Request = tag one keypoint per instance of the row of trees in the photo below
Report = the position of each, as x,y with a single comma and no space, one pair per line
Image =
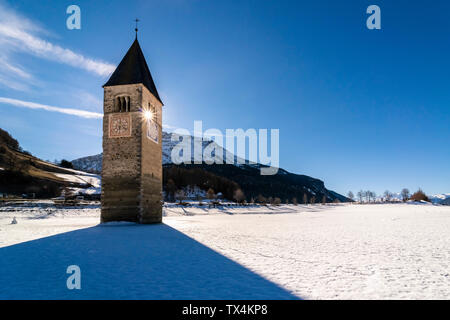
180,195
260,199
7,140
176,181
238,196
305,200
371,196
368,196
178,178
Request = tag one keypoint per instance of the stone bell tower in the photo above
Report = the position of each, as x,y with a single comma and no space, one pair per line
132,151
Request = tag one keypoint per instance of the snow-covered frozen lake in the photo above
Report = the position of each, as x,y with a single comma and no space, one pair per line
386,251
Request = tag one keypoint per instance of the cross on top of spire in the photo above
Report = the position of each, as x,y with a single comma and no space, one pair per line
136,29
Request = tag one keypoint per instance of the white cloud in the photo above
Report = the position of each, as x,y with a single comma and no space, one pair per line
69,111
47,50
19,34
15,69
87,101
7,82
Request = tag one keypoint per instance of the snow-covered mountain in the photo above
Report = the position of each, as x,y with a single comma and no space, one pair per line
89,164
94,163
246,174
443,198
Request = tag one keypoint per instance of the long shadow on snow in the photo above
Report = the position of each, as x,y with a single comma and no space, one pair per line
127,261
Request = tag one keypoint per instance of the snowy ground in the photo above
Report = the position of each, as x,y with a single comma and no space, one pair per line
387,251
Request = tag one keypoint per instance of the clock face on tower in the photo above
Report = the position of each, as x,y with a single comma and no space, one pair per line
119,125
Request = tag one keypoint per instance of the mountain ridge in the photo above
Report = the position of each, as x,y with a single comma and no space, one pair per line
284,184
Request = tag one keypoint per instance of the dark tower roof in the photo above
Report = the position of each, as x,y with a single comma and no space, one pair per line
133,69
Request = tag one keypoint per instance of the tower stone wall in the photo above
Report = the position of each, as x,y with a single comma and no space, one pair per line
151,164
132,162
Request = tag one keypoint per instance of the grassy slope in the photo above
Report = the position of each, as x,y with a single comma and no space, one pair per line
23,173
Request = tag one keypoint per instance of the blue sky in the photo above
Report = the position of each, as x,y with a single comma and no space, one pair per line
357,108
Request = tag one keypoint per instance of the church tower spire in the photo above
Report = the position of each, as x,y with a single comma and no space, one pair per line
133,69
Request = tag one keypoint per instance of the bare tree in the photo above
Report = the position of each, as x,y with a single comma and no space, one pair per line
373,195
210,194
367,195
261,199
276,201
387,196
312,200
180,196
324,199
171,188
294,201
239,196
305,198
405,194
350,195
360,196
370,196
